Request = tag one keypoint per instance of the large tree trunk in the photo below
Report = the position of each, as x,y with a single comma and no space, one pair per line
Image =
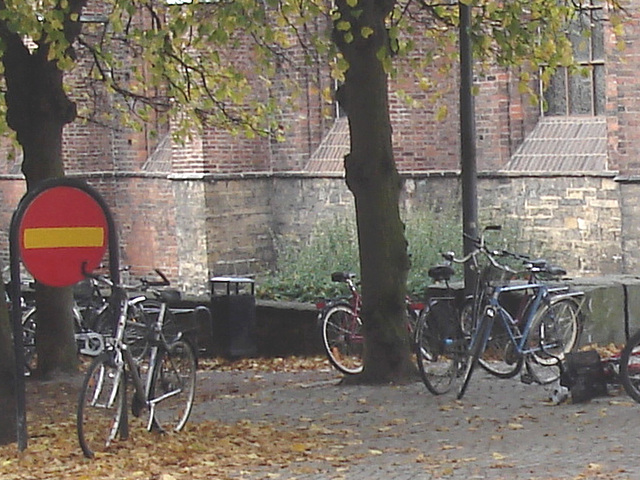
37,110
373,178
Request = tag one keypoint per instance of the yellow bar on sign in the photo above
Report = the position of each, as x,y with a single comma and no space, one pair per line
63,237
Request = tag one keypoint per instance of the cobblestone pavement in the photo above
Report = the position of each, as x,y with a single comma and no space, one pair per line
502,429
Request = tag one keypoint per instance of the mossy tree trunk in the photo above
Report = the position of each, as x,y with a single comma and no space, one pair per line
37,110
373,179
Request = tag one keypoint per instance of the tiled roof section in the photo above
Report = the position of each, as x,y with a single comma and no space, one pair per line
160,160
577,144
329,156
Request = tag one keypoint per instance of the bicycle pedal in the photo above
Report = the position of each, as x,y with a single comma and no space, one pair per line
527,379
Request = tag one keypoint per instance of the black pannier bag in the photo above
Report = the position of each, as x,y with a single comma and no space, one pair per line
583,374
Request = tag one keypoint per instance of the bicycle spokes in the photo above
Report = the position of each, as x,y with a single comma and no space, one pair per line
101,405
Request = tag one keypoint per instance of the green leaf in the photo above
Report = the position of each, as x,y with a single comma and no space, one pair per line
343,25
366,32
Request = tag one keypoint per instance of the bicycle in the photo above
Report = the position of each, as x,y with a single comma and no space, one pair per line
342,329
164,386
445,326
567,323
629,366
91,321
440,344
545,331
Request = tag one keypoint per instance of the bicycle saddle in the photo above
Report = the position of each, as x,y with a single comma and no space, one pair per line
170,296
441,272
342,276
541,265
556,270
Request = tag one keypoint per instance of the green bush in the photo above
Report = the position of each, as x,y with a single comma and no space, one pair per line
429,234
304,269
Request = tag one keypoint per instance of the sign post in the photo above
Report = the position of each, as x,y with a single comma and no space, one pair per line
60,230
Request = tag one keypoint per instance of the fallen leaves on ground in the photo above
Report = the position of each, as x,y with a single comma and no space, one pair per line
274,364
204,450
212,449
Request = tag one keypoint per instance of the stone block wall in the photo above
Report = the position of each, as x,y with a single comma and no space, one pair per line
239,224
195,228
573,220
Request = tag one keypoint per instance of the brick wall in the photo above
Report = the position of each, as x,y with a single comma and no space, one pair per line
239,224
623,91
575,220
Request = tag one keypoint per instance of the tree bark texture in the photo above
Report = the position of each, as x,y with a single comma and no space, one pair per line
373,179
37,110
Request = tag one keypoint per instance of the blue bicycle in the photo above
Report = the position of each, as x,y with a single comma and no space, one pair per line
545,327
534,320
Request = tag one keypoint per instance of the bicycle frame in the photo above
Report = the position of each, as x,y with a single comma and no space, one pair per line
355,302
125,361
517,335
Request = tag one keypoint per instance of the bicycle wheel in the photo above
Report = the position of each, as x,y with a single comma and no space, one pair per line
438,357
630,366
467,316
478,343
500,357
554,330
29,325
136,331
29,340
101,405
343,339
173,387
170,326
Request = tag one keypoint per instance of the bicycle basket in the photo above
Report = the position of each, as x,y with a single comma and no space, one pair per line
494,276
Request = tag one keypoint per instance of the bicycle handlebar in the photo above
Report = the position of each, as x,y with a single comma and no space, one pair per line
162,283
481,247
95,276
531,266
144,283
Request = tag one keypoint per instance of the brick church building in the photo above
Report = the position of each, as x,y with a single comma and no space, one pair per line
570,175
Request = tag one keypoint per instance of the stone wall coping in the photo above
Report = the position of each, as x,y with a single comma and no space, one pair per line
414,174
628,179
604,281
586,283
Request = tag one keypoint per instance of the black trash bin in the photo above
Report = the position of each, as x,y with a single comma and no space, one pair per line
233,310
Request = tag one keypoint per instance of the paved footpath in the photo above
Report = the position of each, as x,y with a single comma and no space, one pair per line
502,429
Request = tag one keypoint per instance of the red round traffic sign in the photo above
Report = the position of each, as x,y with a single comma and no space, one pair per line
62,229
